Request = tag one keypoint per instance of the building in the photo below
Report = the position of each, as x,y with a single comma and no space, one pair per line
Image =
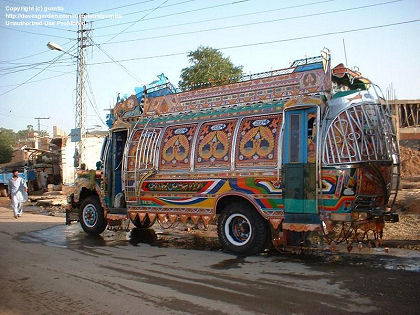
92,145
408,118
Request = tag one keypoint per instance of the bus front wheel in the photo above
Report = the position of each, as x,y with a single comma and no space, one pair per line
91,216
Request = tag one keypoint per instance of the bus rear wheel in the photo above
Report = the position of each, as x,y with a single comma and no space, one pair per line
91,216
241,229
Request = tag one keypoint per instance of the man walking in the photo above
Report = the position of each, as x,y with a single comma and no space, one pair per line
17,193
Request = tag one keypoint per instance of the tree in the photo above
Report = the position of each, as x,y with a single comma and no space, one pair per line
24,134
7,139
208,66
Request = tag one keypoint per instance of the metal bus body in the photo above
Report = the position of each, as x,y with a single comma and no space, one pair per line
279,154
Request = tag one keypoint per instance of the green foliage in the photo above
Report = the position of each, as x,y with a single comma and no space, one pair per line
43,133
7,139
23,134
10,139
208,66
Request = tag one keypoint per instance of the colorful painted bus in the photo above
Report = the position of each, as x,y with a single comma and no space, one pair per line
276,155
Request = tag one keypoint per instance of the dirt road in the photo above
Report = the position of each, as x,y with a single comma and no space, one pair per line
49,268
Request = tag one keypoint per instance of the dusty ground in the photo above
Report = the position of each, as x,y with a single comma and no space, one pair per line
47,267
410,161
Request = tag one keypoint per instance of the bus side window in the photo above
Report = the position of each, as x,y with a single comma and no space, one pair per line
311,139
311,128
104,144
294,144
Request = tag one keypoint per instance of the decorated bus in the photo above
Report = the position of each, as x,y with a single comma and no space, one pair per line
279,156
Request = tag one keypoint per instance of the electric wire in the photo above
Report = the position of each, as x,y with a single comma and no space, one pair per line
133,23
145,10
18,66
35,54
222,18
176,13
23,66
38,73
32,68
122,6
253,23
268,42
94,104
116,62
39,80
25,57
26,67
33,33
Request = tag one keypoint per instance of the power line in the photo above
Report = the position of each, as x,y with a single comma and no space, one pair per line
34,81
267,42
117,62
57,28
56,65
177,13
34,33
122,6
17,65
151,9
223,18
27,65
94,104
35,54
20,66
33,68
156,8
253,23
38,73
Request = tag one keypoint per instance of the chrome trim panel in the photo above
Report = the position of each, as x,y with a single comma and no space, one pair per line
193,144
358,133
235,137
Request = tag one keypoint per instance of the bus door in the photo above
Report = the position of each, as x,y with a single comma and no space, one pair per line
299,166
113,166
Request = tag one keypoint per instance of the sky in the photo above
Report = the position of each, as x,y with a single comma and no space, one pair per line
380,37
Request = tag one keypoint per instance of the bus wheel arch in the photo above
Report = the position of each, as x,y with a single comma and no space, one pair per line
241,227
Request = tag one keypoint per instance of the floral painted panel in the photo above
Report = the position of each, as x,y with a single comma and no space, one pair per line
257,143
176,147
214,144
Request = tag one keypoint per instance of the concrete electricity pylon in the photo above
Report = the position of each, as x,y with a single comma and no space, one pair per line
39,121
84,41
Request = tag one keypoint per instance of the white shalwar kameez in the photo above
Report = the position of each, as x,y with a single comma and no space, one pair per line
17,194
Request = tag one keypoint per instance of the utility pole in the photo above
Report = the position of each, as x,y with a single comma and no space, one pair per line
39,121
83,40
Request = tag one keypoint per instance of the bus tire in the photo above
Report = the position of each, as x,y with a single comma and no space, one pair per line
241,229
91,216
146,223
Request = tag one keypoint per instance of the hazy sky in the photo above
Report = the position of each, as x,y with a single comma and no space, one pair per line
385,55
